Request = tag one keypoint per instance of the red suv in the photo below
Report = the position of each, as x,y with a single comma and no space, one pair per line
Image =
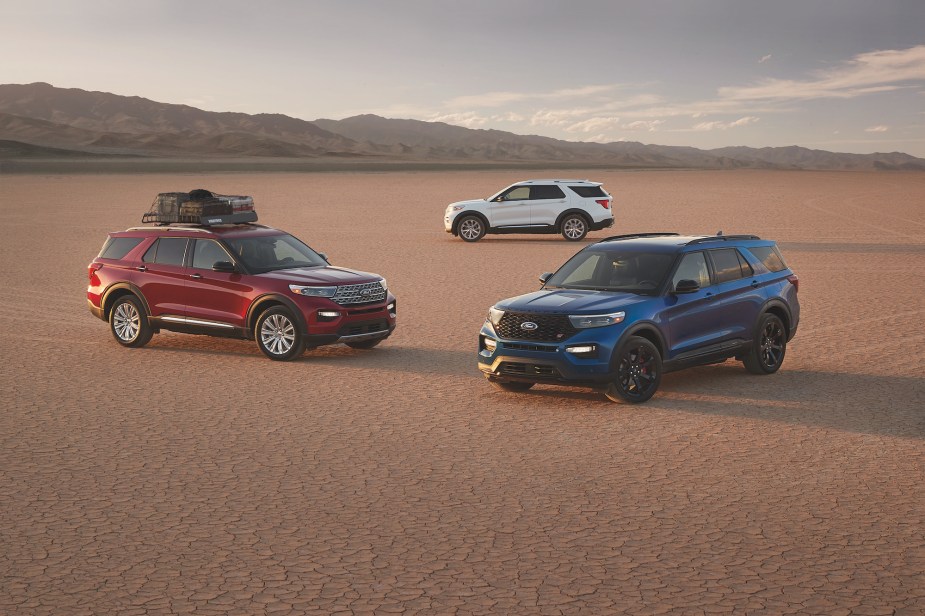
241,281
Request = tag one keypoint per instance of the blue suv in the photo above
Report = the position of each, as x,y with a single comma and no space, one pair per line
629,308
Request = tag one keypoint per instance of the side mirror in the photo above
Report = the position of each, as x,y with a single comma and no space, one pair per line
324,256
226,267
687,286
545,276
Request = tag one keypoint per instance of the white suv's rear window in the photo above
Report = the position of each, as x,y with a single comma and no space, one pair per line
589,192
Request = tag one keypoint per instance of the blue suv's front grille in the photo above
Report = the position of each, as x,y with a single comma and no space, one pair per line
544,328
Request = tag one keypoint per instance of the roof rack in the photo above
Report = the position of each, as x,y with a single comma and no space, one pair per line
715,238
192,227
629,236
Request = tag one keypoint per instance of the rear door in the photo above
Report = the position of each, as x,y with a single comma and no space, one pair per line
739,296
546,203
692,320
161,276
216,299
511,208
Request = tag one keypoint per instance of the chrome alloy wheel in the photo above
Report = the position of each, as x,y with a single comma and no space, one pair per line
277,334
126,321
470,229
574,228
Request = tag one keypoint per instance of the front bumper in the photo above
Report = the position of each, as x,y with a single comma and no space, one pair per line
547,362
356,323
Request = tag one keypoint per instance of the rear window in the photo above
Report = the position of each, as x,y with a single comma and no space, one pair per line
769,256
118,247
589,192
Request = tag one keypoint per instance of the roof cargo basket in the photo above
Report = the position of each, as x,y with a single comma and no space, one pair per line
201,207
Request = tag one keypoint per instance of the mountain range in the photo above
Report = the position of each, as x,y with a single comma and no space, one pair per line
39,120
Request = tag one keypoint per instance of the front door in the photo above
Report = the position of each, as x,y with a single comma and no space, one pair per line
692,319
215,299
511,208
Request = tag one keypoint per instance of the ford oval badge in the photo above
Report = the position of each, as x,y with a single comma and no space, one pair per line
528,326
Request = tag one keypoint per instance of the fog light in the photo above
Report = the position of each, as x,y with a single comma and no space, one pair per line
391,309
490,345
328,315
583,349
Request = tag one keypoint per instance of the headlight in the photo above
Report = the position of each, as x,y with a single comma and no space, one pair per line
385,285
494,315
584,321
456,208
313,291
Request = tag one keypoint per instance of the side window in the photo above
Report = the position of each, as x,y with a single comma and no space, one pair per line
769,256
518,193
747,271
118,247
167,251
207,252
546,192
726,264
692,267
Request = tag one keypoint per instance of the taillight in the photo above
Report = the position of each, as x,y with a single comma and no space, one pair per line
604,203
795,281
93,268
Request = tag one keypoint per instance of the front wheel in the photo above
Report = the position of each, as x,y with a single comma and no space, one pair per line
471,229
277,334
128,322
574,227
769,347
638,372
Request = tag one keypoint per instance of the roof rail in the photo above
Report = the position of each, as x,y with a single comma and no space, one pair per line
632,235
193,227
715,238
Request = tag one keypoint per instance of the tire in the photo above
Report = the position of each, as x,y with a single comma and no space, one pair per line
129,323
769,346
637,372
471,228
278,335
574,227
511,385
364,344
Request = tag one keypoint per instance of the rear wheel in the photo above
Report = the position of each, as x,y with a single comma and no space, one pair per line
638,372
128,322
471,228
769,347
277,334
574,227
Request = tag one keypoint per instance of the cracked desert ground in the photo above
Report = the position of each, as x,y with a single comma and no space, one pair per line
194,476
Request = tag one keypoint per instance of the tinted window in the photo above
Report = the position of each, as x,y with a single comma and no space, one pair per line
692,267
606,270
726,265
747,270
547,192
207,252
589,191
769,256
118,247
166,251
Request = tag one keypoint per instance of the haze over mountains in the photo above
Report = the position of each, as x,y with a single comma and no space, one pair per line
41,121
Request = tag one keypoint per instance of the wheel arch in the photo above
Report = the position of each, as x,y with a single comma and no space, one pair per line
644,329
264,303
121,289
475,213
569,212
780,310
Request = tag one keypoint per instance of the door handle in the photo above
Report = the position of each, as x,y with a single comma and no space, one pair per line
142,268
754,284
196,276
708,296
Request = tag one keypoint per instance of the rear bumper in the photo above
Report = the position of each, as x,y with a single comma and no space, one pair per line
95,310
604,224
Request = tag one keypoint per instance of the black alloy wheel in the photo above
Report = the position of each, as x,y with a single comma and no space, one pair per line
769,348
638,372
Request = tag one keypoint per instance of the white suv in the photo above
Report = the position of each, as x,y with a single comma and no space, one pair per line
569,207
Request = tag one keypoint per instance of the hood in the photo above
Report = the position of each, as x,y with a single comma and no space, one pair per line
572,301
322,276
469,202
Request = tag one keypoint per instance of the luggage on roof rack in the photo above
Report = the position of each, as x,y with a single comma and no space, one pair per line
201,207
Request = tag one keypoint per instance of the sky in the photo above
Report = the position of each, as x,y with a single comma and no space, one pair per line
840,75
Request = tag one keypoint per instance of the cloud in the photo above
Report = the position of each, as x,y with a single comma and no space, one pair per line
764,59
498,99
718,125
880,128
866,73
610,123
508,117
469,119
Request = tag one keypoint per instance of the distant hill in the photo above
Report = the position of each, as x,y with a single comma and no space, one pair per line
61,122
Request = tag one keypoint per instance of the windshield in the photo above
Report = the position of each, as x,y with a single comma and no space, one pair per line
612,270
274,252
